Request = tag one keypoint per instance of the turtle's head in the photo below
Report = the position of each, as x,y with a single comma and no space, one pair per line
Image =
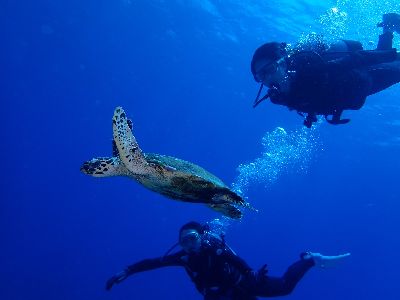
190,237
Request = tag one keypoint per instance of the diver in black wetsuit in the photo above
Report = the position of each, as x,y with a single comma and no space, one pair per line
326,80
219,273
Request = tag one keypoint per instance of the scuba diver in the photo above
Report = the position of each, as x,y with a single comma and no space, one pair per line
219,273
317,79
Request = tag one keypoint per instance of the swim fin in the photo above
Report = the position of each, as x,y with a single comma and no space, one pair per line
390,22
336,120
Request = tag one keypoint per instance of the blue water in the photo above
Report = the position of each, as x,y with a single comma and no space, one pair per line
181,70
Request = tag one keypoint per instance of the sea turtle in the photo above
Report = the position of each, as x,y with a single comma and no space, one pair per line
169,176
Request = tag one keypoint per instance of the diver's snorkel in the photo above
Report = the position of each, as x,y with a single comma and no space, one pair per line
271,92
257,100
273,89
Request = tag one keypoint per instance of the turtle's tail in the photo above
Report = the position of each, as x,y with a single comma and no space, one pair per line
104,167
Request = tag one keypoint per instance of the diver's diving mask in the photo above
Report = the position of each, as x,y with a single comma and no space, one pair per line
190,240
268,69
265,74
265,70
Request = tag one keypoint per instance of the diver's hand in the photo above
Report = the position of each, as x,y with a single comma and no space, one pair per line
117,278
325,261
262,272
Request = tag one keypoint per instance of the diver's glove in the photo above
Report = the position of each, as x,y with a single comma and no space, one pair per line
117,278
262,272
324,261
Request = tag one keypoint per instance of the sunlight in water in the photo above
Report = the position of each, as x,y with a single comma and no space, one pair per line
357,19
282,152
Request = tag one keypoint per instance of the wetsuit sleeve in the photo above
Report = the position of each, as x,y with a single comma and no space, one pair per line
363,58
269,286
155,263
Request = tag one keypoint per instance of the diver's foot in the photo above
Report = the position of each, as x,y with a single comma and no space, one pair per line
390,22
323,261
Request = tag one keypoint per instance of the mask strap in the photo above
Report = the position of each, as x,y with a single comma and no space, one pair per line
258,101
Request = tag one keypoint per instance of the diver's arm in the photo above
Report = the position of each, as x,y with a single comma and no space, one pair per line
146,265
363,58
155,263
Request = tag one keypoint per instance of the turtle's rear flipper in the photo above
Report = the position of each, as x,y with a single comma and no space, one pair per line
227,209
104,167
129,151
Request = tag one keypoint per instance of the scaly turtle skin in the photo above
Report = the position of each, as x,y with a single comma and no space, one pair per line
172,177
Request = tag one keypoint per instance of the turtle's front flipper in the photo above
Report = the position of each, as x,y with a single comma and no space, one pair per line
104,167
115,151
129,151
227,209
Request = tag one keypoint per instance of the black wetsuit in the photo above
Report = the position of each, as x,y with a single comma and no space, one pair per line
327,82
219,273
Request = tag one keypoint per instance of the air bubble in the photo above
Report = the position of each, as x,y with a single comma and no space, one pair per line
282,152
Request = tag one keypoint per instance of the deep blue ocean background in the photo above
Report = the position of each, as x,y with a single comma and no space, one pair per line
181,70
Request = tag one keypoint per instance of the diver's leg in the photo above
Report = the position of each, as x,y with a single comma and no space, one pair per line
383,76
385,41
390,23
268,286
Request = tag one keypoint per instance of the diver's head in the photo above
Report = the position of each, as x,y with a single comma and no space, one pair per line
268,63
190,236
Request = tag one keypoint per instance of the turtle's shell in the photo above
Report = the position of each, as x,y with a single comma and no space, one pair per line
182,180
184,167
